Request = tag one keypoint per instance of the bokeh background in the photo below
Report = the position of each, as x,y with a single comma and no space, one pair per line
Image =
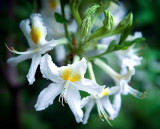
17,98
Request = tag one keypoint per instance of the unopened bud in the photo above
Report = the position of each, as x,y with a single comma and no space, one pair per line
126,22
108,22
85,27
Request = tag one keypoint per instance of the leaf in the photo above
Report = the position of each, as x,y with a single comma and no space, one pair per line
59,18
126,32
111,46
137,40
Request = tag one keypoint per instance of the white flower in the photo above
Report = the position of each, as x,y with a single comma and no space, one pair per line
122,81
129,58
103,104
68,80
35,35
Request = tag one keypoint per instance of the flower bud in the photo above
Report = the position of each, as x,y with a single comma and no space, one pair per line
85,27
126,22
90,11
108,22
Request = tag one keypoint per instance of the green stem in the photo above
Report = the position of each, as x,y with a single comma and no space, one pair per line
62,41
76,58
90,70
107,69
65,24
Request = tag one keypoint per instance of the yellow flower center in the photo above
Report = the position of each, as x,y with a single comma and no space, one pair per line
52,4
36,34
105,92
68,74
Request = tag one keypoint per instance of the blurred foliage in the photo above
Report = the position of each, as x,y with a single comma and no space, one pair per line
134,113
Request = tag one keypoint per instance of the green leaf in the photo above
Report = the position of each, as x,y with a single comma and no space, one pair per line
59,18
126,32
137,40
111,46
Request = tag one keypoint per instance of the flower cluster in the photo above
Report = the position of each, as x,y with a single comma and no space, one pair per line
87,38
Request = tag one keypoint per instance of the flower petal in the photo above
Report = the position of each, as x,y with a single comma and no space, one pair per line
89,86
80,66
47,96
25,27
15,60
48,46
114,90
116,104
88,108
74,99
36,59
48,69
84,101
37,23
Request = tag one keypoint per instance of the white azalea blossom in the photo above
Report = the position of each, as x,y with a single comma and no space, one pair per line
103,104
129,58
122,81
68,80
35,35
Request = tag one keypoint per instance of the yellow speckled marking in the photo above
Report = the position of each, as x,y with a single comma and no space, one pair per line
36,34
68,74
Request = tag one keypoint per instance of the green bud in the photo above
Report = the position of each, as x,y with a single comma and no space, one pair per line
126,22
90,11
108,22
85,27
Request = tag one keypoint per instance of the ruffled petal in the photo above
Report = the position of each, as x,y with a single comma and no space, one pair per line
37,24
25,27
76,70
88,86
15,60
36,59
47,96
74,100
48,46
88,110
49,70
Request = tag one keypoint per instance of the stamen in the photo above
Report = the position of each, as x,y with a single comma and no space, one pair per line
136,93
102,114
62,101
23,53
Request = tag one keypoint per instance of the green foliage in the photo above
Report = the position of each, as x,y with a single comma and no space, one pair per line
59,18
